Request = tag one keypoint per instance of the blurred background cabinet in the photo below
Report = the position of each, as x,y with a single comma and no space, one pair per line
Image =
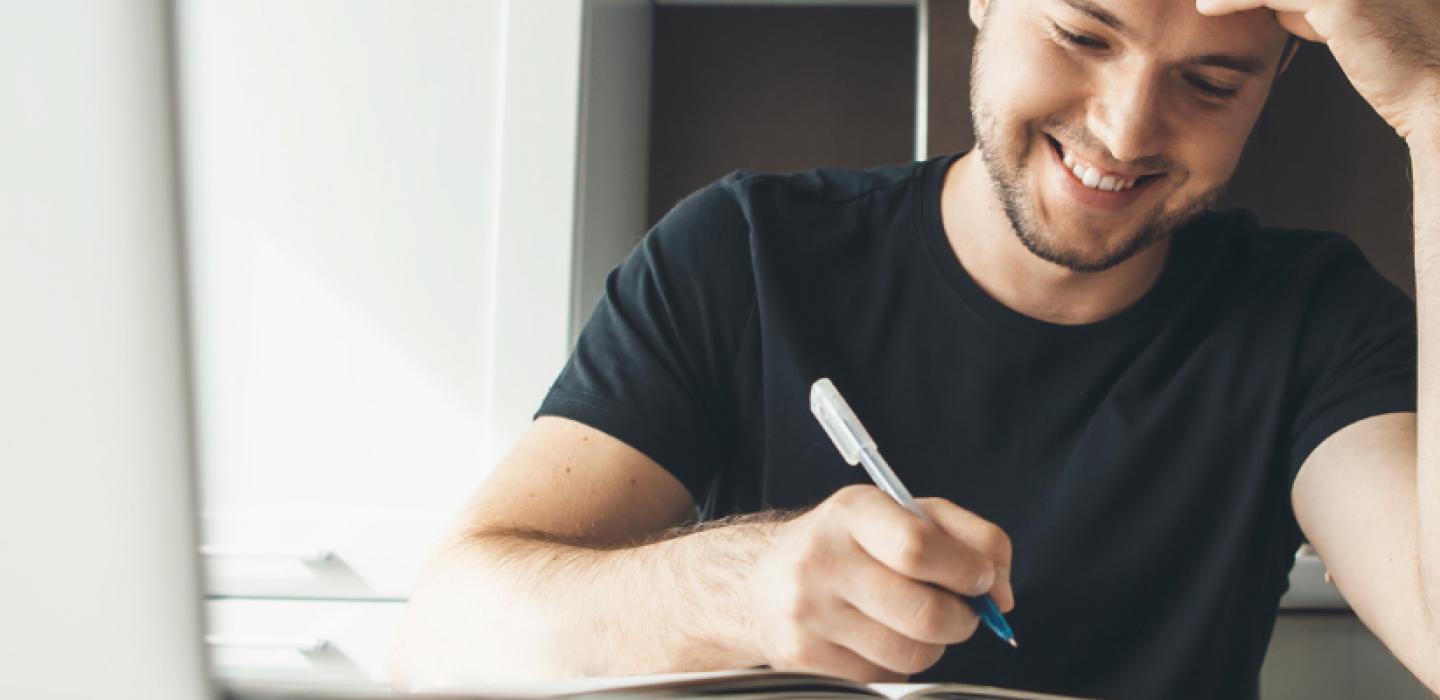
384,201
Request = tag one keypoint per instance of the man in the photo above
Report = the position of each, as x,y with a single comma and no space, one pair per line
1126,410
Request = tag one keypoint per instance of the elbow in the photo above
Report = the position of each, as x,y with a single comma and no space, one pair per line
465,627
440,652
417,659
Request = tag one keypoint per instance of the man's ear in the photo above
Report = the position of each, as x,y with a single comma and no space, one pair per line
977,12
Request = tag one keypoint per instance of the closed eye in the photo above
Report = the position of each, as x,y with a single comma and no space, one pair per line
1077,40
1211,90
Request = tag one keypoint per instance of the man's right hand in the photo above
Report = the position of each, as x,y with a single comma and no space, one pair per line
860,587
553,572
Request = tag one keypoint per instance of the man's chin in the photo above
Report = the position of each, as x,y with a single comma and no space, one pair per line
1088,259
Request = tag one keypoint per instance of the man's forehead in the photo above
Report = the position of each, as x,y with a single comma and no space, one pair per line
1178,22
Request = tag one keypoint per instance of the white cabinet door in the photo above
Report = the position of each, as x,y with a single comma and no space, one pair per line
382,200
302,642
322,555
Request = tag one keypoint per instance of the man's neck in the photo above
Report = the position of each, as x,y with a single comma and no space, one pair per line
983,239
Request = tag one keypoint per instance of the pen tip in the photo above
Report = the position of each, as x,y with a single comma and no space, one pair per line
1014,643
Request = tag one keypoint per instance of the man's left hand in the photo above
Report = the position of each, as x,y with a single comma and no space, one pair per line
1390,50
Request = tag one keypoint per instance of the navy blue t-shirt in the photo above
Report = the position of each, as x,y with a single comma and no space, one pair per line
1141,465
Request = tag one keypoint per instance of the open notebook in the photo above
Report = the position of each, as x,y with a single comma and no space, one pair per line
738,685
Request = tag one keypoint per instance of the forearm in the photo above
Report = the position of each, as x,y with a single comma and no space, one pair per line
1425,165
512,606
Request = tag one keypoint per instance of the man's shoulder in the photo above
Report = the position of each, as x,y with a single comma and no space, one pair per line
1247,234
1296,269
747,199
811,206
1270,251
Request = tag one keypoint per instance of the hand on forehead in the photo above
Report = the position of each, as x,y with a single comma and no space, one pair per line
1177,24
1389,49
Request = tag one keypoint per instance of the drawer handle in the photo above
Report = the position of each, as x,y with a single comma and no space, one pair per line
302,644
309,556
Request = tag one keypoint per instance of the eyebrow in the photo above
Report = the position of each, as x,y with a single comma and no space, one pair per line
1249,65
1098,14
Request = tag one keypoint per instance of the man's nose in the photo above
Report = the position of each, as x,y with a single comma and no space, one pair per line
1128,117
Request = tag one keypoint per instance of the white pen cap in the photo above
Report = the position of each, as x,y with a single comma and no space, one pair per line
839,422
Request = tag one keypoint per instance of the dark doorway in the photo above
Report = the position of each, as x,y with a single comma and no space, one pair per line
777,89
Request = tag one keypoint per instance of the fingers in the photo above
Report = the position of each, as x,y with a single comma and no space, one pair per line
917,611
984,537
1225,7
1290,13
862,588
821,630
822,657
876,643
959,552
1295,23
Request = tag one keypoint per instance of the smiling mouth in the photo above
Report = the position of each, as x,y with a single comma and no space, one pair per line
1094,178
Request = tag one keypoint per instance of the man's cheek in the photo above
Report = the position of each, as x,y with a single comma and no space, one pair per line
1037,89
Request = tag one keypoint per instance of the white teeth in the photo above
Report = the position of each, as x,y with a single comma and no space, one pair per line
1092,178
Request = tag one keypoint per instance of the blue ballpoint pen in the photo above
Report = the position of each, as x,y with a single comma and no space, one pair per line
857,447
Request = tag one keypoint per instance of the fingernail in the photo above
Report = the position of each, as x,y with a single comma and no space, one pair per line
987,579
1003,574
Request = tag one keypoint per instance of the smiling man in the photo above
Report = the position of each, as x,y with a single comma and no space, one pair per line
1126,410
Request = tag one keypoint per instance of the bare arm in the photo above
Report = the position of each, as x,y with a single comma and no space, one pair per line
1369,496
1425,165
1356,500
539,558
555,570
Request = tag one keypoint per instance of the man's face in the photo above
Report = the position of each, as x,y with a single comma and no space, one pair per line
1147,101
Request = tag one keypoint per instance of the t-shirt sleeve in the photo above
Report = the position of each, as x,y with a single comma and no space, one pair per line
653,365
1359,352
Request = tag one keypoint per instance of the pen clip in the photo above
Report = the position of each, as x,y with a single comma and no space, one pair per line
839,422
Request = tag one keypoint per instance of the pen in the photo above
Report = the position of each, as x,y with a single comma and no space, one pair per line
857,447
